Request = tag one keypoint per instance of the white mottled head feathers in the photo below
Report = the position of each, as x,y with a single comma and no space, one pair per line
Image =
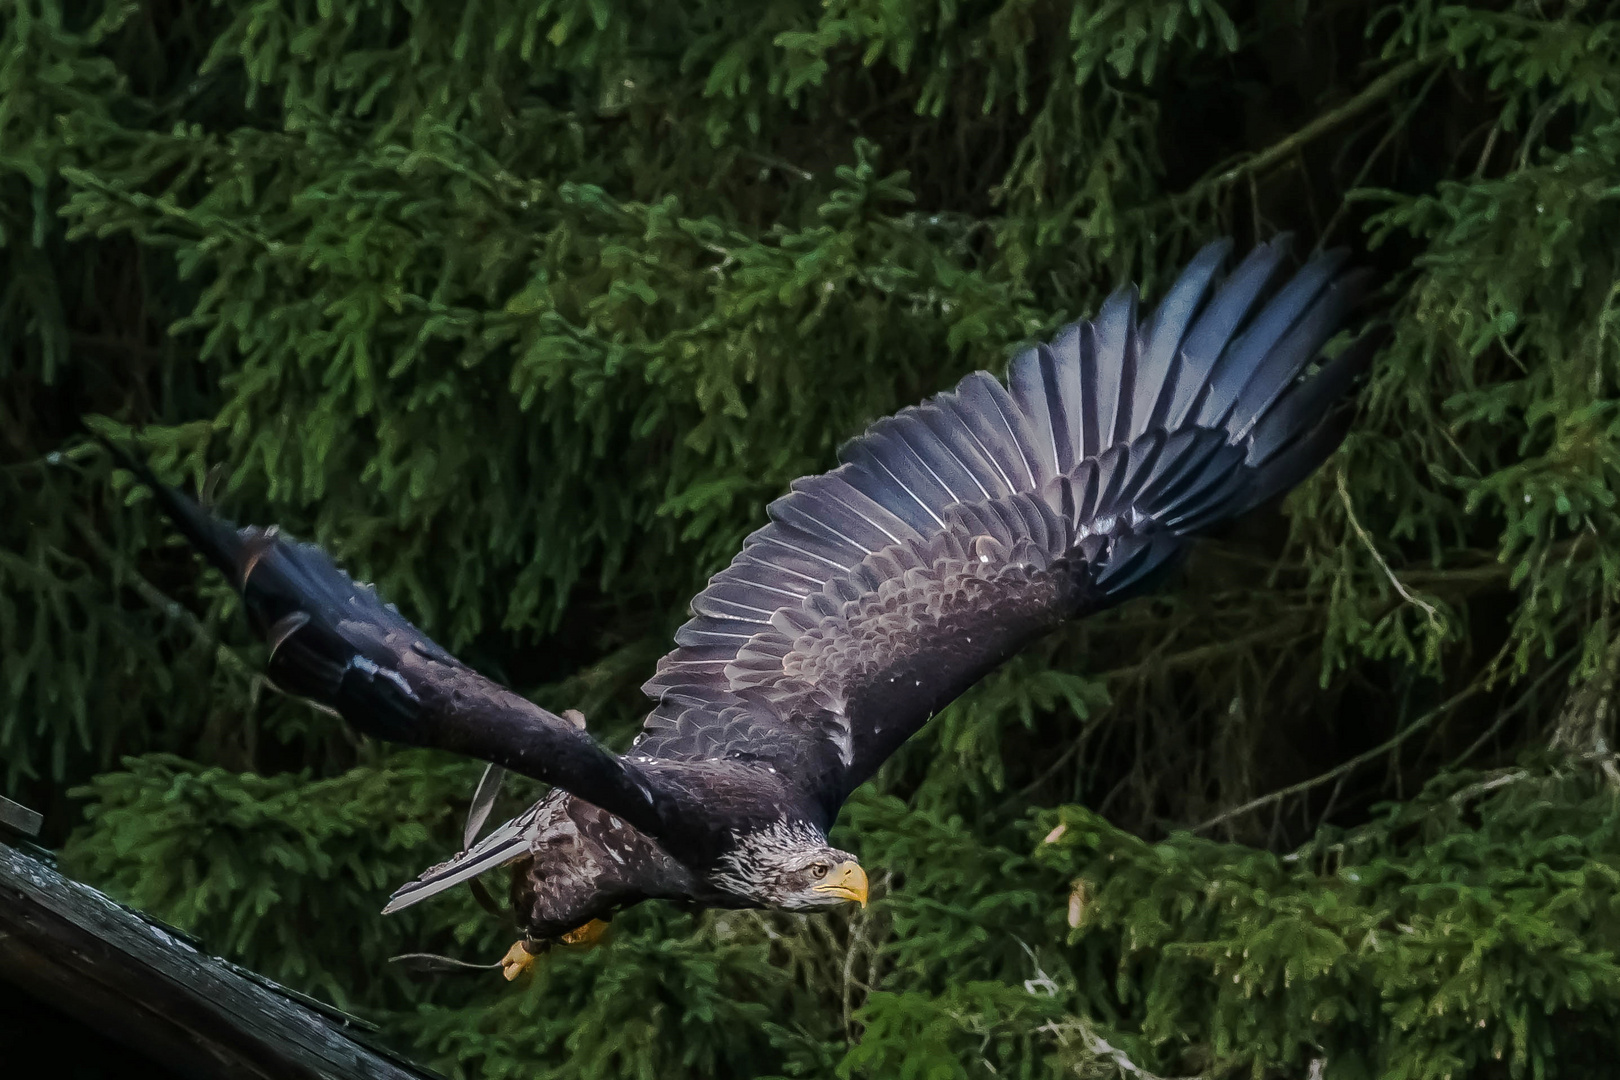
789,865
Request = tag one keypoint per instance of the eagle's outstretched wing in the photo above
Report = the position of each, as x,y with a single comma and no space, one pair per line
335,643
957,531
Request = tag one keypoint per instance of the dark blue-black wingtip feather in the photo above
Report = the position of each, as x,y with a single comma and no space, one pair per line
325,632
218,542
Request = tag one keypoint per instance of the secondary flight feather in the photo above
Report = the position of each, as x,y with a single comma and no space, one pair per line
952,535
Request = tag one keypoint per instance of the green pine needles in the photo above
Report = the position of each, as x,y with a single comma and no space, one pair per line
526,309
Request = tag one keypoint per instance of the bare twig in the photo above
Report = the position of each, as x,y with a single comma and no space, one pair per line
1429,610
1376,752
782,164
1524,700
1200,654
1383,144
1604,758
1285,148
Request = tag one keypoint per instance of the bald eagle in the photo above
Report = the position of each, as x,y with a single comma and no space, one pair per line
952,534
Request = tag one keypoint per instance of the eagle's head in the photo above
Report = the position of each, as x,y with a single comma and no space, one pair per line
792,867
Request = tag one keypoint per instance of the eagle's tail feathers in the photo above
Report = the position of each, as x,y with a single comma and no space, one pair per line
483,801
501,846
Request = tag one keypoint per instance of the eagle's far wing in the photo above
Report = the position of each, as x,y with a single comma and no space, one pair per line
957,531
335,643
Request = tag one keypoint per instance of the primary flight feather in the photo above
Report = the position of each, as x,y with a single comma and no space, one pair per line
953,534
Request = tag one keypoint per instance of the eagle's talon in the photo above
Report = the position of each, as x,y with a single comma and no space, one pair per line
588,935
517,960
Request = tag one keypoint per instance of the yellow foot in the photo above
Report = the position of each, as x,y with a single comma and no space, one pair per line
517,960
589,934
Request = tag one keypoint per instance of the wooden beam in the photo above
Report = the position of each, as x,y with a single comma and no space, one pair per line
18,818
146,986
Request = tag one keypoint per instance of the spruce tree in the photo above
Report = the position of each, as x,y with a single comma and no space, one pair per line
526,309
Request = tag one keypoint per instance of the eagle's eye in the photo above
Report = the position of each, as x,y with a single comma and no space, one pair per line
819,869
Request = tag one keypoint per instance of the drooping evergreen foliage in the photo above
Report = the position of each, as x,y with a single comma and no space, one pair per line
527,309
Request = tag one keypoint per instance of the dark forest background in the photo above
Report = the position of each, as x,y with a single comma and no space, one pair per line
526,309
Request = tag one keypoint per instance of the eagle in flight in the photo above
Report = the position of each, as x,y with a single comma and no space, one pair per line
953,534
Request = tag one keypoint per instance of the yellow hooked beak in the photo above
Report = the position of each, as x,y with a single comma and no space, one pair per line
847,881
